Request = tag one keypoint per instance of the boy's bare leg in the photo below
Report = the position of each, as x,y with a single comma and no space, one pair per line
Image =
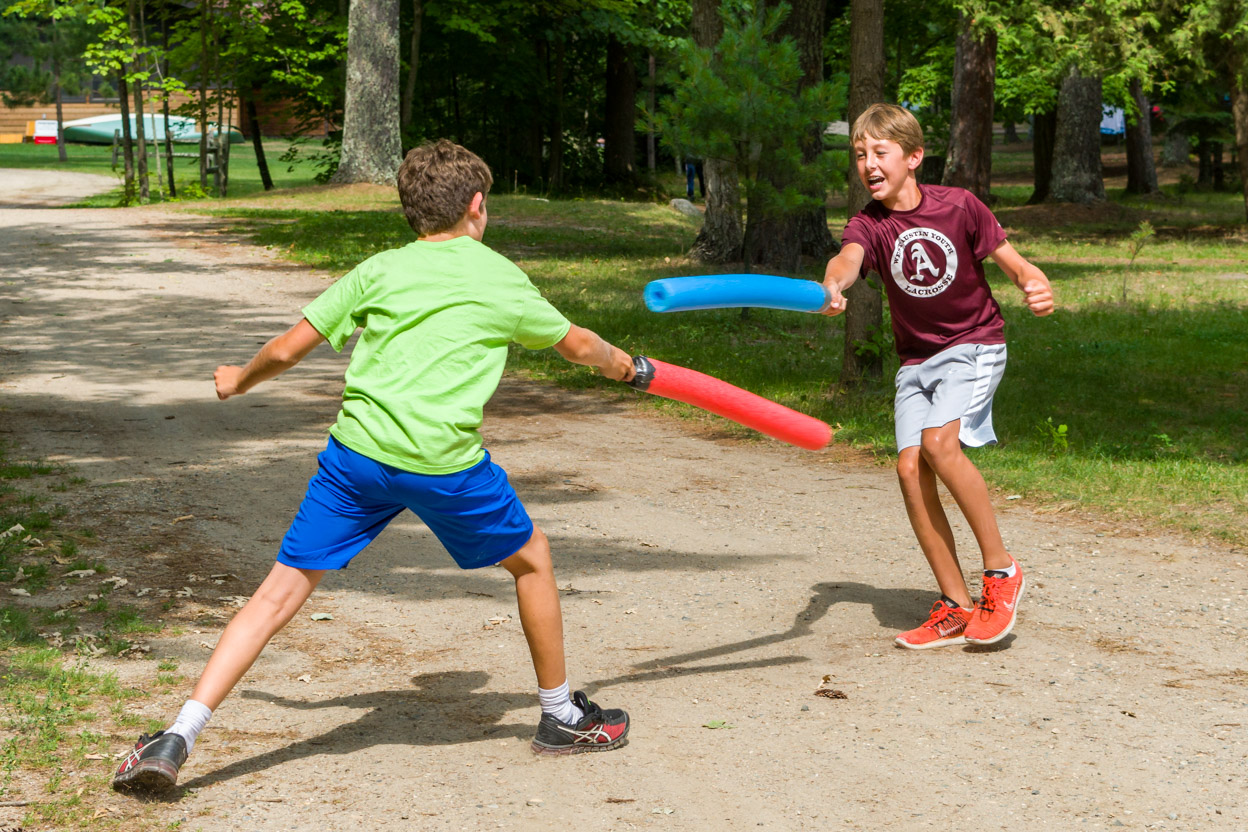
931,526
276,601
538,598
943,452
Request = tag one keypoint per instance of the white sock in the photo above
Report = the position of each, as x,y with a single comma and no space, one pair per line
1009,573
558,703
191,720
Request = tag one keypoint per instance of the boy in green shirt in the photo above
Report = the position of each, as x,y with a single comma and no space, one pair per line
437,316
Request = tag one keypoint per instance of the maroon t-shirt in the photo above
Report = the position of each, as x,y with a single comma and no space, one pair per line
931,259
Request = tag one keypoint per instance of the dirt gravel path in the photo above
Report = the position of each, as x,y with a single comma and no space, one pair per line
708,581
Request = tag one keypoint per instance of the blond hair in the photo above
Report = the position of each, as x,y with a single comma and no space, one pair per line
888,122
437,182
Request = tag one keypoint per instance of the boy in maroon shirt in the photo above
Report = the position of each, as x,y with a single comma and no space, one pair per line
928,242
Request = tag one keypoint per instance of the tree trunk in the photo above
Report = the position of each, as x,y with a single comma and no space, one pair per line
371,144
1076,173
173,189
203,94
620,152
554,164
1239,112
1177,150
969,160
257,142
60,119
224,161
140,133
807,229
1141,172
59,95
720,238
1011,133
1044,131
413,65
1204,163
164,37
651,159
864,314
127,138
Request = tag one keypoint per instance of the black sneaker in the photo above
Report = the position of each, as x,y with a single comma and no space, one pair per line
153,764
598,730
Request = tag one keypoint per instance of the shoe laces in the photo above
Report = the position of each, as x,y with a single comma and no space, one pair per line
988,598
940,611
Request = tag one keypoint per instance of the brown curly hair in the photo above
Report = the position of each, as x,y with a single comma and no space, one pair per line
437,182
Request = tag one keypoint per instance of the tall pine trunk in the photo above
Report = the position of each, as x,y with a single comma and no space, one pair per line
204,66
1044,132
969,160
371,144
620,151
140,129
864,312
1076,173
127,136
164,37
721,236
1239,113
651,159
60,109
413,65
1141,172
554,164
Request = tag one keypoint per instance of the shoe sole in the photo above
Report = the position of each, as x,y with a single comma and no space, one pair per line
940,642
150,776
1022,588
543,750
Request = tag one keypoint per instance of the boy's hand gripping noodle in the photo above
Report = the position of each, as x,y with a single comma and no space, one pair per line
721,291
723,399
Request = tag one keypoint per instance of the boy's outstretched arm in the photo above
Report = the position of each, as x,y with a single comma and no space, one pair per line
273,359
583,346
1026,277
842,271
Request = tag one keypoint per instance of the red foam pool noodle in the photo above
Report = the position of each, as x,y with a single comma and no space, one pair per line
741,406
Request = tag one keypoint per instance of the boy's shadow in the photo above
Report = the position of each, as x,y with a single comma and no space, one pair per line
894,609
439,710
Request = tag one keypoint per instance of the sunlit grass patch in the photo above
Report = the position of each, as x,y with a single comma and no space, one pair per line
1144,362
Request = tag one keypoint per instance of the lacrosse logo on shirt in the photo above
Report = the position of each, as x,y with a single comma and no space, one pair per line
924,262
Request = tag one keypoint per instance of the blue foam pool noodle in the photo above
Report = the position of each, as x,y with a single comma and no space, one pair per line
722,291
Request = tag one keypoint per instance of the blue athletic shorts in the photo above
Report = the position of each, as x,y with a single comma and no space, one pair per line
474,513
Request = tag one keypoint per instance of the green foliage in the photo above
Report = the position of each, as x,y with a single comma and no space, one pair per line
1139,237
1054,436
743,102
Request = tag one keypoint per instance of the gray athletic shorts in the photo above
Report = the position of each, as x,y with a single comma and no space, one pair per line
957,383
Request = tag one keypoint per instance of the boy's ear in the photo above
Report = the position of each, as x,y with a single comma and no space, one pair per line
915,159
474,207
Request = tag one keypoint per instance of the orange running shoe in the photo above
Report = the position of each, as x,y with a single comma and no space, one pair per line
997,609
943,627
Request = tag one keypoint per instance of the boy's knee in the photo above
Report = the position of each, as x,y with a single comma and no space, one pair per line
533,556
908,466
939,446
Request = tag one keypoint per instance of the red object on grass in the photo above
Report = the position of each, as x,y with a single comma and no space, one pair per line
723,399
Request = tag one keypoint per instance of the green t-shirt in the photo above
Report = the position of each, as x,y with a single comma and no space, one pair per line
437,319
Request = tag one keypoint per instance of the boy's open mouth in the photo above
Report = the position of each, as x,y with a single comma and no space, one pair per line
875,179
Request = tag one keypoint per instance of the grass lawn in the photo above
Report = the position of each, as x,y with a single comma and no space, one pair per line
59,718
97,159
1152,389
